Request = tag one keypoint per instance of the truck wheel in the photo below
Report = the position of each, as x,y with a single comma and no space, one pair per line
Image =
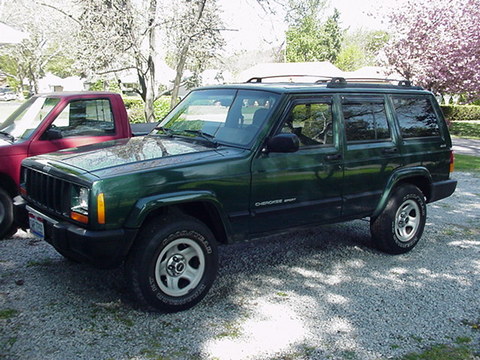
172,265
400,225
7,228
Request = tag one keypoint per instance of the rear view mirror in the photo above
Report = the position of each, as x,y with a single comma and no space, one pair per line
283,143
52,134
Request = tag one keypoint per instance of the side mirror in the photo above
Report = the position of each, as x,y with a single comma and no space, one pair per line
52,134
283,143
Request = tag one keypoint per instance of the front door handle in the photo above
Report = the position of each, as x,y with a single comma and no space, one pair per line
333,157
393,150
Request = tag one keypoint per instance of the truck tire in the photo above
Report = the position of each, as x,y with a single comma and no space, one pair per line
7,227
172,265
400,225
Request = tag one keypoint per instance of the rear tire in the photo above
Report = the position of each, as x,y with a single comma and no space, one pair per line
173,264
400,225
7,227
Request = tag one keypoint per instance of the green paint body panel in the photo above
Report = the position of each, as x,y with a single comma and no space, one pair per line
248,189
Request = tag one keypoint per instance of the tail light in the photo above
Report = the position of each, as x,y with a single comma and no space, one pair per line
452,161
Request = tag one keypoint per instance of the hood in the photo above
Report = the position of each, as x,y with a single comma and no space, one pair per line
4,142
127,155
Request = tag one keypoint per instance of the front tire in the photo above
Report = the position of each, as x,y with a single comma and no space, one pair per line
7,227
400,225
173,264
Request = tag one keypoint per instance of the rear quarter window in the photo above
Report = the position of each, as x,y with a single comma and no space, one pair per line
416,117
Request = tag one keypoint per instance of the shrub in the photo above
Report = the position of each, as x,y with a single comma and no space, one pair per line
135,109
461,112
465,129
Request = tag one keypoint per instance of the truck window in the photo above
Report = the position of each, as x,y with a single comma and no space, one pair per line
416,116
86,118
365,119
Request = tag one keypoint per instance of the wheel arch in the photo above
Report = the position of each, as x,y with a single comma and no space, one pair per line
418,176
201,205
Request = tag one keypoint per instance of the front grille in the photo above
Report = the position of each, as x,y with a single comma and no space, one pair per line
47,191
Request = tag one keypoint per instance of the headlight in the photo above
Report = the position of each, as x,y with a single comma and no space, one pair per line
79,204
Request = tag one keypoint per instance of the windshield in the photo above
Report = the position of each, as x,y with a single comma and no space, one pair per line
226,116
23,121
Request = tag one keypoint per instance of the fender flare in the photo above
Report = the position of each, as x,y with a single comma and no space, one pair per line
396,177
145,206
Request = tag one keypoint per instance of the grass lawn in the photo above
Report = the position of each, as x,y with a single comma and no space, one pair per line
467,163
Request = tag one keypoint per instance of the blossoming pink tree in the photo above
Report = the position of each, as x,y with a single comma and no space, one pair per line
436,44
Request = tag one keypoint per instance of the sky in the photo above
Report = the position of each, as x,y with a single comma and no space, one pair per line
256,29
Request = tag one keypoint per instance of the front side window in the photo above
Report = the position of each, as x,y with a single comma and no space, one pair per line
311,122
365,119
224,115
416,116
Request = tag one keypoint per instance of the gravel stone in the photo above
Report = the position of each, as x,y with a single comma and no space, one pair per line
320,293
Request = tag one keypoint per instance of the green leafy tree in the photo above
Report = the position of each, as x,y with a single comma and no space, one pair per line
307,38
351,57
361,48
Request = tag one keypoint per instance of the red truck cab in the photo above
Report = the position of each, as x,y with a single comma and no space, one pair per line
51,122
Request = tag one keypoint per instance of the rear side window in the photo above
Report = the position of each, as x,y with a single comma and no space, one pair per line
416,116
365,119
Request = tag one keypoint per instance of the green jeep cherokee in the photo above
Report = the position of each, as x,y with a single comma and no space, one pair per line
234,162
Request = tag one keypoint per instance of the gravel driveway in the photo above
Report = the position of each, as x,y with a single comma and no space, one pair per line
322,293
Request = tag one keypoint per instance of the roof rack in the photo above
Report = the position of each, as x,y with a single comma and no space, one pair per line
259,79
340,82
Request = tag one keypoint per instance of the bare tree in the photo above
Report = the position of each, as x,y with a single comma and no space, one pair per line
43,45
194,37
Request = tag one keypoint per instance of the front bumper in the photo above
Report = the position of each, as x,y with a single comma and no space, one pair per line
104,249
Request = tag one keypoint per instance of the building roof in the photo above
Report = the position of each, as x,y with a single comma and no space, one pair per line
320,68
9,35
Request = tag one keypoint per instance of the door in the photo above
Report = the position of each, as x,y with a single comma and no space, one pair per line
371,152
292,189
81,122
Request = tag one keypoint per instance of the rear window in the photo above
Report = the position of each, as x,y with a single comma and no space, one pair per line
365,119
416,116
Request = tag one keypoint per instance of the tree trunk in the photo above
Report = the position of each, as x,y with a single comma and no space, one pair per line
179,74
148,79
183,55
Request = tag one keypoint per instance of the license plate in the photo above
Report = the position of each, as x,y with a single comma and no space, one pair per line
36,226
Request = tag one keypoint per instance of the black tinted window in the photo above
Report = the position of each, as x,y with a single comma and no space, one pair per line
311,122
416,117
365,119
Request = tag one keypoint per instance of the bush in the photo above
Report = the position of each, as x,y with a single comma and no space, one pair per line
461,112
465,129
135,109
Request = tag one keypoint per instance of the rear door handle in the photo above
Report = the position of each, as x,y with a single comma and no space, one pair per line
333,157
393,150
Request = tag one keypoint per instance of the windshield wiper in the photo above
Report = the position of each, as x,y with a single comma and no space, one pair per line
209,137
7,135
167,131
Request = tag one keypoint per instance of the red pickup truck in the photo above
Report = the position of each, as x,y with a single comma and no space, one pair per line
52,122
